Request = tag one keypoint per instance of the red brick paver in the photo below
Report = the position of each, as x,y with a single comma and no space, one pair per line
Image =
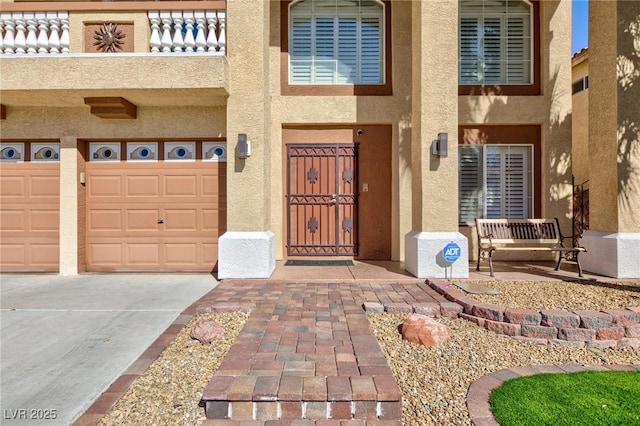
327,364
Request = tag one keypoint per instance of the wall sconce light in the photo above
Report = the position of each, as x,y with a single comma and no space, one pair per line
244,146
439,146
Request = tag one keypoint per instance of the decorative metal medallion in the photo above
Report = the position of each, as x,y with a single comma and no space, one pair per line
347,175
347,224
312,175
313,225
108,38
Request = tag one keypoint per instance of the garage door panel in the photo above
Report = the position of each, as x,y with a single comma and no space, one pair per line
213,220
42,254
143,186
44,220
12,220
213,186
142,220
180,186
104,254
142,254
181,254
105,186
12,255
104,220
46,186
181,220
13,186
210,252
29,216
185,195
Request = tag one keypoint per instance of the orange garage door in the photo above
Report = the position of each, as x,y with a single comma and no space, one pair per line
29,207
155,206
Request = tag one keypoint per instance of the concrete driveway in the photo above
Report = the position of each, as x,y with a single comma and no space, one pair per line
66,339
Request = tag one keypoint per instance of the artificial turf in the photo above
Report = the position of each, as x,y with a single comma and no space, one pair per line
586,398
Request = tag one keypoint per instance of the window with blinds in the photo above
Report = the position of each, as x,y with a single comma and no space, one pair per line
496,44
495,182
336,42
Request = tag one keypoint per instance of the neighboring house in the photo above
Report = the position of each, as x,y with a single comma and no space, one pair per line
580,115
179,136
580,136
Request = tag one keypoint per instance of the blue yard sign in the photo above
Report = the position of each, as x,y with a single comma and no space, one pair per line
451,252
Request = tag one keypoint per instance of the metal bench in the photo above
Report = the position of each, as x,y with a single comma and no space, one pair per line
523,235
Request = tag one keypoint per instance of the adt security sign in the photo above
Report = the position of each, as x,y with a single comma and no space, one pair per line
451,252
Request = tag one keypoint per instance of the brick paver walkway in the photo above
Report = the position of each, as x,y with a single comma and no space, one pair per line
307,352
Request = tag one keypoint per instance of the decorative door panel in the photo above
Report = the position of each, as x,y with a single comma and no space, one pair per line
322,200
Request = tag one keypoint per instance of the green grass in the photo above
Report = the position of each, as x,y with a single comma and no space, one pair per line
586,398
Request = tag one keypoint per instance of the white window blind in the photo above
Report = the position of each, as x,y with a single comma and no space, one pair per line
470,183
495,42
336,42
495,181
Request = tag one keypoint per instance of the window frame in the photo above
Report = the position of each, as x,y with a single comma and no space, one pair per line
383,89
518,89
511,135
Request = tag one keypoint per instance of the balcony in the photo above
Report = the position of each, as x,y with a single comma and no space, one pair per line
55,57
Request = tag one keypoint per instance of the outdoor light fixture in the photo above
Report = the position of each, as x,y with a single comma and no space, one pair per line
244,146
439,146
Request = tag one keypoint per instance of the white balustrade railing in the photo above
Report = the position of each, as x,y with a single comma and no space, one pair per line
171,31
188,31
34,32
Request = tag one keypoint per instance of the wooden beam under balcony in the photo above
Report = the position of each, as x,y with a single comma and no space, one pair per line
111,107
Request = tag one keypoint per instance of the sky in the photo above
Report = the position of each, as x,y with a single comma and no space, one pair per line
580,20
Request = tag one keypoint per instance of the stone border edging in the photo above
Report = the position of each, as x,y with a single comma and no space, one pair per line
599,329
479,391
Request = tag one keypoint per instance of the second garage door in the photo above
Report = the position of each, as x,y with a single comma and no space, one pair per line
157,206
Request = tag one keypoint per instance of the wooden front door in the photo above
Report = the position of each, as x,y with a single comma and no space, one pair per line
322,200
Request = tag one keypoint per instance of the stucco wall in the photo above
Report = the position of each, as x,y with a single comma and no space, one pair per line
184,122
580,125
614,138
551,110
394,110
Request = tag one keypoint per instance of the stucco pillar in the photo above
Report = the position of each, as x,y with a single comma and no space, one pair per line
434,111
248,112
613,239
68,205
556,130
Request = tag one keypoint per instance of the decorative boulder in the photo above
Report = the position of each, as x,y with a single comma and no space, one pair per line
423,330
206,331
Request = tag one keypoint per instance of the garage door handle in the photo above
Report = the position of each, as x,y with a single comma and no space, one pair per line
161,220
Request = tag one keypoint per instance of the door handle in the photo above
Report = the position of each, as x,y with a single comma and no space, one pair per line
333,199
161,220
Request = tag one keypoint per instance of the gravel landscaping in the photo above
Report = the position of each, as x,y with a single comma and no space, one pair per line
551,295
433,381
169,392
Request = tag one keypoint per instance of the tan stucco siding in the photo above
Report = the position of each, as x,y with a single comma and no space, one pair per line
434,111
249,112
121,72
613,111
185,122
394,110
580,126
603,118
